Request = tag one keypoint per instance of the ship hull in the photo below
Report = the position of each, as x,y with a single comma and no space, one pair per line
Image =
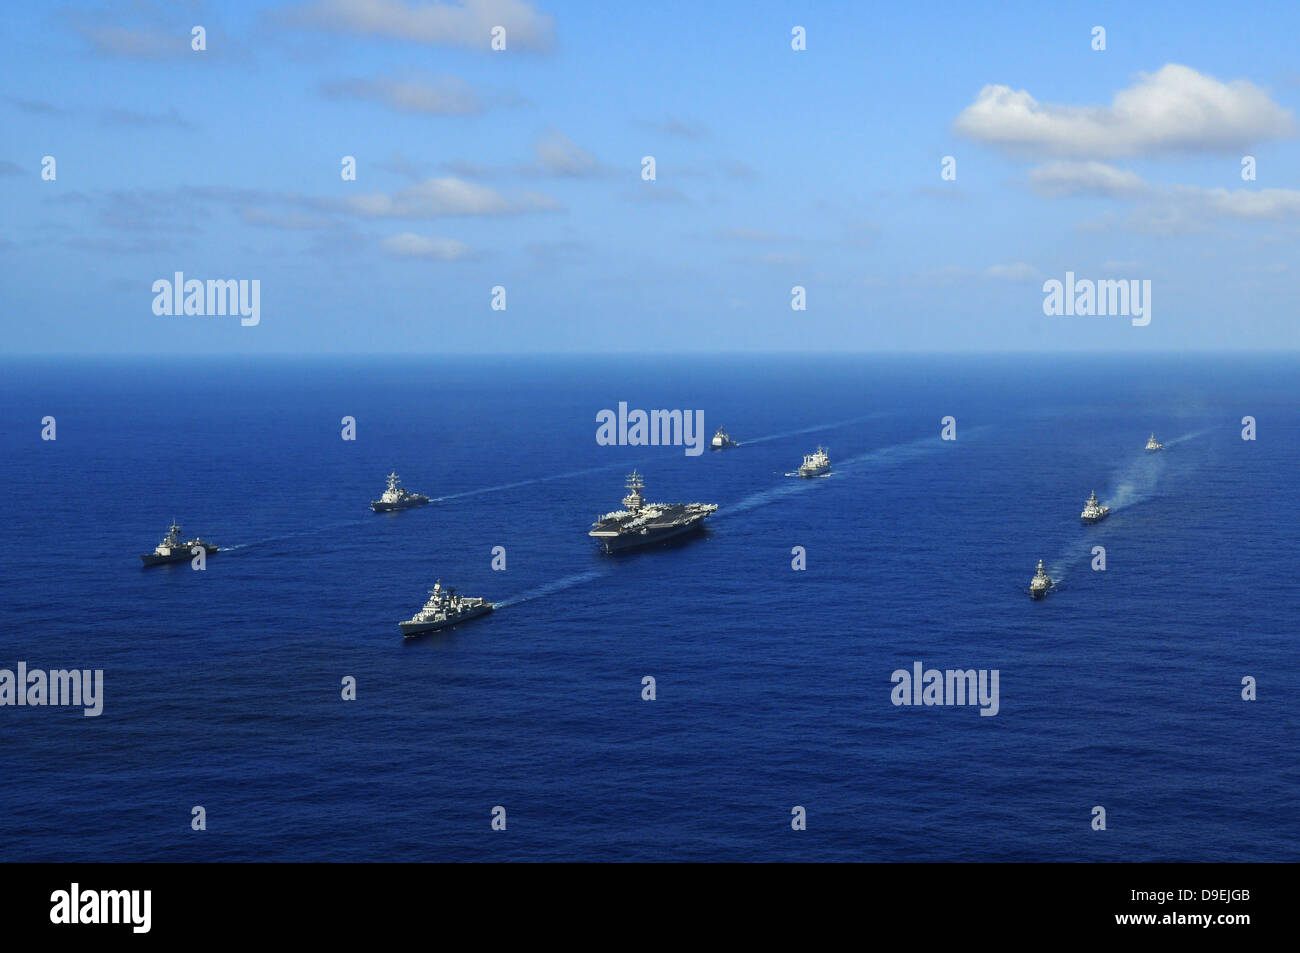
153,559
410,629
1037,593
1093,519
626,541
380,507
809,472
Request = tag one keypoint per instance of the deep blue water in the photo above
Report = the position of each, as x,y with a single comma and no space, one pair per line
1121,689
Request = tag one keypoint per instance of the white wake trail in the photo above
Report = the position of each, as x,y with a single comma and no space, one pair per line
795,433
550,588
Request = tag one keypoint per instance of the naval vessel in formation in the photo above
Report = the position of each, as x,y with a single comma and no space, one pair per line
722,441
173,550
815,464
444,609
1152,445
1093,511
1041,582
640,523
397,497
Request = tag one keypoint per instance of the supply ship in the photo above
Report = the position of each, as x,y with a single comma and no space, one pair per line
815,464
640,523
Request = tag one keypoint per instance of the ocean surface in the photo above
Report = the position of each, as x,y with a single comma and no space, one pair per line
222,688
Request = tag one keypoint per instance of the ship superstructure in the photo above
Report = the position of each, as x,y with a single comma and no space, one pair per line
815,463
1041,582
397,497
640,523
1152,445
444,609
1093,511
722,441
175,550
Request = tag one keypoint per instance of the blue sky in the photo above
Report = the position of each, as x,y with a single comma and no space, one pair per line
522,169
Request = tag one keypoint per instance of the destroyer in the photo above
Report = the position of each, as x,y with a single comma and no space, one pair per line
173,550
640,523
1152,445
1093,511
443,609
1041,582
815,464
397,497
721,441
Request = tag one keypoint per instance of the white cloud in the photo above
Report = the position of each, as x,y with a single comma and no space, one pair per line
1175,109
1096,178
411,245
467,24
1019,271
559,155
431,96
445,196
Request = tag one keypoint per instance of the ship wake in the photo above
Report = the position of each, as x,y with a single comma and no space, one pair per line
896,453
550,588
1191,436
542,479
795,433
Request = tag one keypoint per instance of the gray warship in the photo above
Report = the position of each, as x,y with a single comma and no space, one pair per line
722,441
815,464
1041,582
640,523
1152,445
1093,511
173,550
397,497
444,609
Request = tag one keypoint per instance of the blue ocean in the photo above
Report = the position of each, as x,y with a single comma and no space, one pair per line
222,689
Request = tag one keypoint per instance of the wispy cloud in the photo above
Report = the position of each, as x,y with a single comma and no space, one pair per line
467,24
412,93
674,126
1092,177
559,155
411,245
447,195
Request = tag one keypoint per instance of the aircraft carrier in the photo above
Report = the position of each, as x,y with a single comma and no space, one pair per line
640,523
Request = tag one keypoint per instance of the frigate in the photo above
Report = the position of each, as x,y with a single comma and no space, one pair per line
1041,582
1152,445
640,523
1093,511
444,609
722,441
397,497
815,464
173,550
